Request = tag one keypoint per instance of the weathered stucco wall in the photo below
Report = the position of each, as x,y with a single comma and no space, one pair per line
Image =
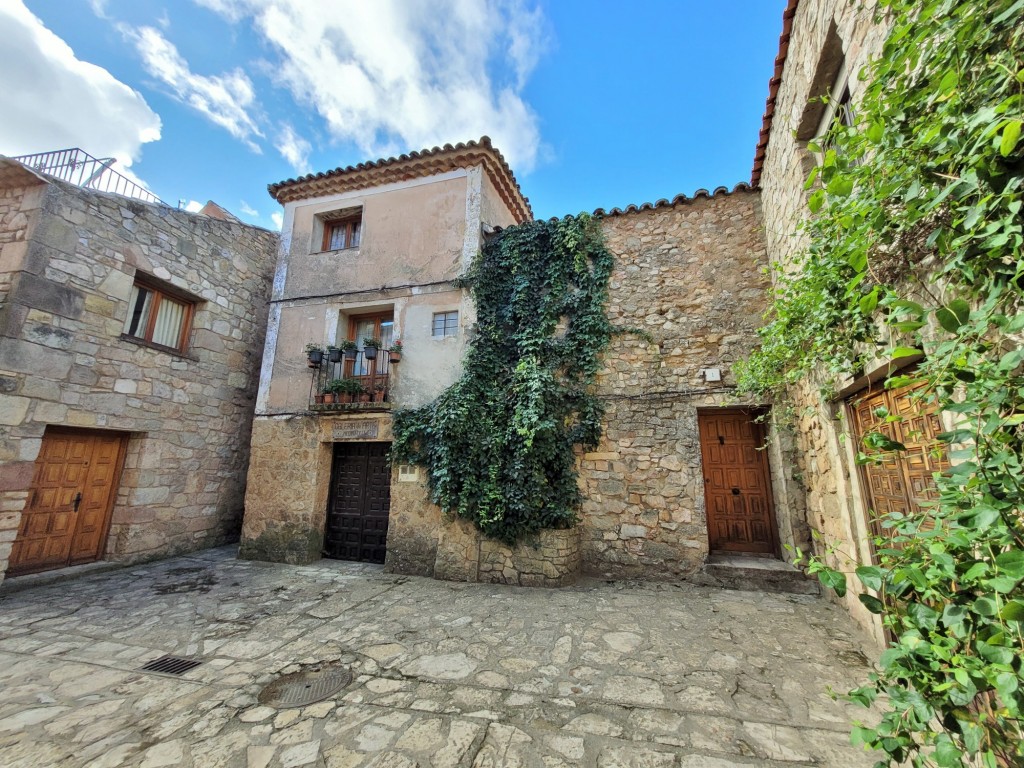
62,361
824,31
429,364
416,239
691,277
411,235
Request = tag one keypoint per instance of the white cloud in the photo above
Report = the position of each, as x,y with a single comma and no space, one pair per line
278,218
294,149
193,206
406,73
53,100
225,99
247,209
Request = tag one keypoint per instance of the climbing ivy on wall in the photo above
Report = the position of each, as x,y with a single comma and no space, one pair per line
498,445
916,247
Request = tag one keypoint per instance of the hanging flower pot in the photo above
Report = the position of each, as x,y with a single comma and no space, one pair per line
395,351
314,355
349,349
333,354
370,347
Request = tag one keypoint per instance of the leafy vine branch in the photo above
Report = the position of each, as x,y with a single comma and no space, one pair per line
915,247
498,446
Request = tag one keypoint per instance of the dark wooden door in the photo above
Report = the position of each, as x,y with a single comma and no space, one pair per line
737,489
899,481
359,502
68,513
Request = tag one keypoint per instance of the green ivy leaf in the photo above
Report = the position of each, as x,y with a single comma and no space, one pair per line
869,302
899,352
875,132
816,200
1011,133
870,576
1011,563
872,603
840,186
833,580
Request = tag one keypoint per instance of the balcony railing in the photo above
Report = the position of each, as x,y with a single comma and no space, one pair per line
372,375
83,170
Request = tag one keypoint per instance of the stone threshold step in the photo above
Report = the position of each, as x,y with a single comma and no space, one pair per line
758,574
13,584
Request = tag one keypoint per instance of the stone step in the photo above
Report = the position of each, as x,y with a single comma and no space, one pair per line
757,573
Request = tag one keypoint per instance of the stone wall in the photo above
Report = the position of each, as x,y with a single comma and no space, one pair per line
823,33
552,558
63,361
690,279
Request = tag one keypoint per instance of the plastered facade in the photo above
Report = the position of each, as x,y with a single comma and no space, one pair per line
417,237
68,261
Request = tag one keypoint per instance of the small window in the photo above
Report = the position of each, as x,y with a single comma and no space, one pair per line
342,233
156,317
446,324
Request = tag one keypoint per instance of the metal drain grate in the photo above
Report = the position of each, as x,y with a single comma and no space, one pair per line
307,687
171,665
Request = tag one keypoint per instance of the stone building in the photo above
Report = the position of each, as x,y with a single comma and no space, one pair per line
374,249
130,340
823,47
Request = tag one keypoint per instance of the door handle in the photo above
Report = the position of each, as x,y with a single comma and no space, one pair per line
78,500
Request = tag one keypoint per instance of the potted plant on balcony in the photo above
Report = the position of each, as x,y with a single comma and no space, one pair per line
349,349
395,351
331,390
378,391
314,355
333,354
348,390
370,347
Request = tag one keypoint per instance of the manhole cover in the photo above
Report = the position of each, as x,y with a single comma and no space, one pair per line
307,687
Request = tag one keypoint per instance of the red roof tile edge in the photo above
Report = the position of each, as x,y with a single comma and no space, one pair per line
484,143
678,199
773,90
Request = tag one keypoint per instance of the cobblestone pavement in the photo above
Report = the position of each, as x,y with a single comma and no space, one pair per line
604,674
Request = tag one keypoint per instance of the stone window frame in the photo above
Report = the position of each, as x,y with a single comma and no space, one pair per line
348,223
448,330
162,291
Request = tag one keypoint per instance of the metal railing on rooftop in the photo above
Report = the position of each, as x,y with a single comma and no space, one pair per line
82,169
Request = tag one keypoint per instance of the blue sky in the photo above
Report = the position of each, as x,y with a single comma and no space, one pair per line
595,104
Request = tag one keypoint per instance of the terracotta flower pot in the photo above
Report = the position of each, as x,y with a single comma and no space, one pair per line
328,398
396,357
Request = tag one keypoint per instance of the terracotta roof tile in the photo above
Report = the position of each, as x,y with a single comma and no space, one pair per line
677,200
773,91
425,162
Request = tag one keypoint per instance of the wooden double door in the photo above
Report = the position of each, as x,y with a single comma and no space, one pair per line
737,486
67,517
359,502
899,481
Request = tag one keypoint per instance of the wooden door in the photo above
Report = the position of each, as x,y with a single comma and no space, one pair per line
737,489
359,502
68,513
899,481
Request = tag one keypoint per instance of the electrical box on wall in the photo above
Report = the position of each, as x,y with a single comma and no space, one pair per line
711,374
408,473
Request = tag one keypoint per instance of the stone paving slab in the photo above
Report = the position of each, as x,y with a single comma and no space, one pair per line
604,674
